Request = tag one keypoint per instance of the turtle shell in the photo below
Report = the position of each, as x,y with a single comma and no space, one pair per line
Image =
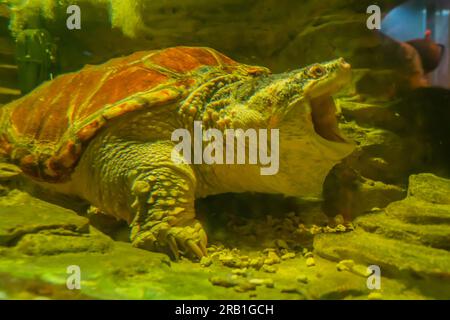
46,131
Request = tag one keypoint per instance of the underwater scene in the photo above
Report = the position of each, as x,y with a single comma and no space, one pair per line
225,149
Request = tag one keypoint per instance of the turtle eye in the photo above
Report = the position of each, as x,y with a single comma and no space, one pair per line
317,71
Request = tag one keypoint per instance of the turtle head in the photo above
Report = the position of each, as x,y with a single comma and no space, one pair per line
319,80
300,105
300,102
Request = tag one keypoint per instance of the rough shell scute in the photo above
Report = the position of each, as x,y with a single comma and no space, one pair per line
47,131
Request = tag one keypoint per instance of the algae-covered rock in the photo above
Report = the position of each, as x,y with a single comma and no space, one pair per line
391,254
382,154
38,258
419,212
432,235
50,244
354,195
371,114
34,263
409,239
429,188
21,214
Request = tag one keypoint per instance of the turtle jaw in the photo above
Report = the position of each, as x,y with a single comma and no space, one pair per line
319,95
323,117
325,128
314,120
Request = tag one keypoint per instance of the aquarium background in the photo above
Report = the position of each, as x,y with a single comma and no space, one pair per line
394,186
418,16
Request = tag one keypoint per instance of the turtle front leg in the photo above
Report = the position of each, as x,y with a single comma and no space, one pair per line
140,183
164,213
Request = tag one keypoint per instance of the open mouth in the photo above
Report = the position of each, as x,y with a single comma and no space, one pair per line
323,114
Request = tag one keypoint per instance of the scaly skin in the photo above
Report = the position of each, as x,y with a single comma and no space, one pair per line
127,169
131,175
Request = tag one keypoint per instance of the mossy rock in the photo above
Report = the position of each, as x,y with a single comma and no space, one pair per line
34,264
409,239
21,214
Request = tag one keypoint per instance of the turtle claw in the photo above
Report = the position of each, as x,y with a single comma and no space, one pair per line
194,248
203,248
203,241
191,239
173,247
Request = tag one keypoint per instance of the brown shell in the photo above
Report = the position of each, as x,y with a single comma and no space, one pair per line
46,131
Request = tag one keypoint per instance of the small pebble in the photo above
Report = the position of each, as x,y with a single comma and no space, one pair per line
345,265
291,289
349,227
259,282
329,229
269,283
272,258
222,282
310,262
289,255
268,269
256,263
215,255
240,272
230,261
269,261
273,255
235,251
211,249
361,270
315,230
302,229
245,286
302,278
205,261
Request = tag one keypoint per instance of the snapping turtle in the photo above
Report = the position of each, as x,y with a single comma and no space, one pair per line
104,134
